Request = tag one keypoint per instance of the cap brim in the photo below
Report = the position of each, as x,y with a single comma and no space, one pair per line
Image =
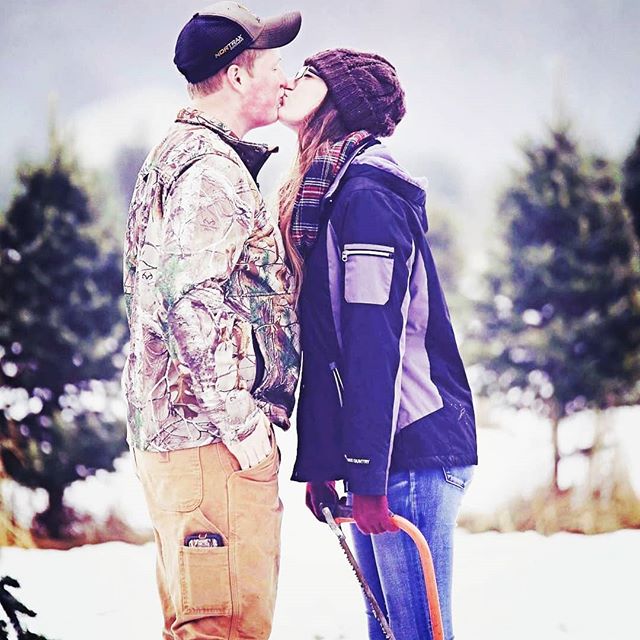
278,31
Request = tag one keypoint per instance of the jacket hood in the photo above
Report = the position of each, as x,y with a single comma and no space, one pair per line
376,163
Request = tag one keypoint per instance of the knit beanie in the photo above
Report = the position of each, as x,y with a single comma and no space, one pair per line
364,88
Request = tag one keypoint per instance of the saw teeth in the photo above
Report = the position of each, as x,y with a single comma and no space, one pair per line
373,611
374,606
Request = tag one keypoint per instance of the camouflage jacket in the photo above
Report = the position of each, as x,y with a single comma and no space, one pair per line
214,337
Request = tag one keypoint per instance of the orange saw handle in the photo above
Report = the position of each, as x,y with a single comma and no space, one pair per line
433,600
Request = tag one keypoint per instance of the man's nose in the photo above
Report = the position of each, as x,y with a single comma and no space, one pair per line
287,83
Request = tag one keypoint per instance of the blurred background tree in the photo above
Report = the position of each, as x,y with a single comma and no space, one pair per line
11,533
631,185
444,240
62,331
561,330
127,162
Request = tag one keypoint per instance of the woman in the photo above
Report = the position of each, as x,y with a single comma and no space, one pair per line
384,402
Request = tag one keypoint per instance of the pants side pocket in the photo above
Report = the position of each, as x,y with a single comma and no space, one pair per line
204,581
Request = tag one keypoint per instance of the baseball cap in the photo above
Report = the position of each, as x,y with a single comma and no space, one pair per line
218,34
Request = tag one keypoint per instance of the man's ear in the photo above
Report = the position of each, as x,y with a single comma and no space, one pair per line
236,77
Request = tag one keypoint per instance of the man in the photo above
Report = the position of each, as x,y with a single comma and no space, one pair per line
214,355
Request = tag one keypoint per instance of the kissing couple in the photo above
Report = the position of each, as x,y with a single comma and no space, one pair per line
224,296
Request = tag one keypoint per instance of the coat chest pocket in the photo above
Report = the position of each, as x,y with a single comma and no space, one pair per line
368,273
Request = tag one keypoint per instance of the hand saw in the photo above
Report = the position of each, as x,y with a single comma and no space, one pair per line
364,585
344,514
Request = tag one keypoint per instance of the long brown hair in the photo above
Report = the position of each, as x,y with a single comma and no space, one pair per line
323,125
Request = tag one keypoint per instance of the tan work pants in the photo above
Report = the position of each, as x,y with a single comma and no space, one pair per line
223,593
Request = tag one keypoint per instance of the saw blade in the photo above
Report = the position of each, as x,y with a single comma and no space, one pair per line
364,585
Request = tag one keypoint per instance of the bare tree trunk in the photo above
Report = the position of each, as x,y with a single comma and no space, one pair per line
604,473
555,424
53,518
596,475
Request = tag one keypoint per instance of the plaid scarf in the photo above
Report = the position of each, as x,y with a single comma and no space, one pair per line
305,221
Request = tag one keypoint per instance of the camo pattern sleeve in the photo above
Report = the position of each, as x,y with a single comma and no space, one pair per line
208,219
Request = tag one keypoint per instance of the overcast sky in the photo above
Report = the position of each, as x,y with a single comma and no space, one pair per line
480,77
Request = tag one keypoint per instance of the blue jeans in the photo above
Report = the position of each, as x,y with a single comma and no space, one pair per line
430,499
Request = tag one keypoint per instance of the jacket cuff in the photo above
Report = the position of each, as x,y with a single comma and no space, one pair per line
275,413
366,482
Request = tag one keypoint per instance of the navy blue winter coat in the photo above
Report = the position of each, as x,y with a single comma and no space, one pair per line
383,385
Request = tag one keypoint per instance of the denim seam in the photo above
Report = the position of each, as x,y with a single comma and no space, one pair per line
459,483
417,566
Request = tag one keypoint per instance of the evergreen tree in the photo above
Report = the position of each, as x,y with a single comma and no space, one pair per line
126,166
62,331
444,237
562,330
631,186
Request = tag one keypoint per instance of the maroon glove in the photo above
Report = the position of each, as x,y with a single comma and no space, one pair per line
372,514
321,494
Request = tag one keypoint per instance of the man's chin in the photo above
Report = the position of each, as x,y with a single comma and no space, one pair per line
267,119
272,118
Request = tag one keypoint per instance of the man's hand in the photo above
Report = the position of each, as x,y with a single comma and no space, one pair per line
321,494
372,515
255,447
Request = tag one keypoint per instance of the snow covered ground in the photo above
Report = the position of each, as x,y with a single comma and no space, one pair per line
508,586
524,586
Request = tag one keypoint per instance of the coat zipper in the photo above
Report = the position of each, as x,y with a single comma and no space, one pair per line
338,380
260,363
380,253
